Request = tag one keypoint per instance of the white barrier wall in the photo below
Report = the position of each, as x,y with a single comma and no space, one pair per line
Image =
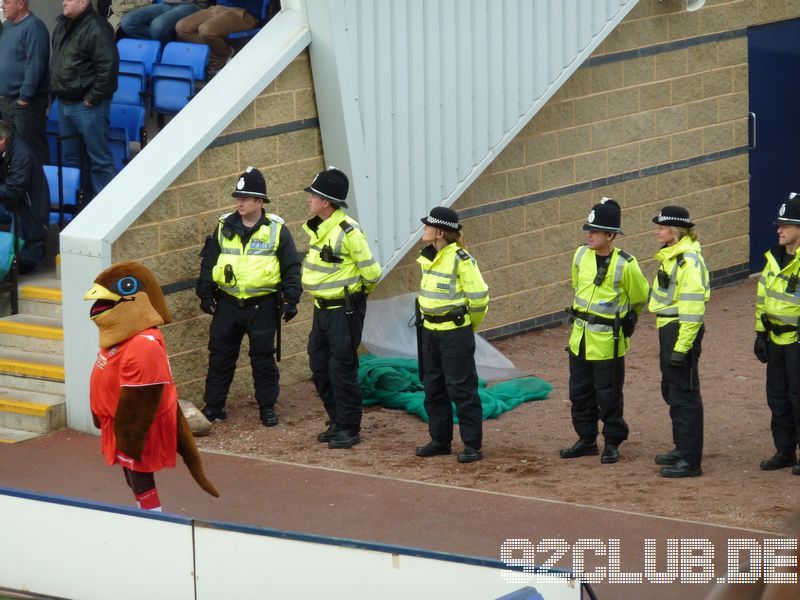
82,550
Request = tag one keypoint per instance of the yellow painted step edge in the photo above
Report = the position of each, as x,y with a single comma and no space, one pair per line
37,292
31,369
2,441
32,330
24,407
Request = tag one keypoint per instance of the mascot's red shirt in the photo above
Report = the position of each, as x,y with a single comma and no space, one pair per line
136,362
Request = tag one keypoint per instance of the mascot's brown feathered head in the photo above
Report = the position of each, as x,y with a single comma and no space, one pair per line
128,300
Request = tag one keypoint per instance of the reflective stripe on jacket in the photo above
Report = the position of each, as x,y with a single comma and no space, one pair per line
255,266
452,280
684,299
352,264
623,289
781,305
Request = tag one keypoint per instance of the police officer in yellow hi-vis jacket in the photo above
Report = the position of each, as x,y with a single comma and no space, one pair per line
610,292
339,271
777,319
249,279
680,292
453,300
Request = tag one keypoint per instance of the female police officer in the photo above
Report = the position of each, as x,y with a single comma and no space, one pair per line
680,293
453,299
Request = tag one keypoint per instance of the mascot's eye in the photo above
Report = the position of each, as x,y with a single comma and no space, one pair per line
127,286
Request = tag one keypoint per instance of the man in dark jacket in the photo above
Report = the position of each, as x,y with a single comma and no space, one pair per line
83,76
22,180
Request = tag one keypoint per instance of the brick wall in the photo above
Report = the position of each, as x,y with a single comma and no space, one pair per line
168,237
657,116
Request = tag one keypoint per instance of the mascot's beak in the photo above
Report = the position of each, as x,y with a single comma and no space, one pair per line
104,300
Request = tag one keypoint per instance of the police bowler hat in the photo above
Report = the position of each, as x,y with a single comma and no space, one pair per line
789,212
442,218
331,185
604,216
251,183
673,216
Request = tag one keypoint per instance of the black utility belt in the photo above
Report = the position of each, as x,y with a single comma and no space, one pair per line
454,316
590,318
242,302
338,302
779,329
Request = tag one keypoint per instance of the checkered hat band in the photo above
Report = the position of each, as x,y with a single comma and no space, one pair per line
435,221
668,218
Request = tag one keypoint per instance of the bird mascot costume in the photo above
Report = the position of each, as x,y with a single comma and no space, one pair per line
133,397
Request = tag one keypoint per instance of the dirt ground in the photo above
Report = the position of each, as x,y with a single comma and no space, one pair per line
521,447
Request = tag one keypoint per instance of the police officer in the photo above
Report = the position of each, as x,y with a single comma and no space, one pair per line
777,318
339,271
680,293
453,300
610,292
249,279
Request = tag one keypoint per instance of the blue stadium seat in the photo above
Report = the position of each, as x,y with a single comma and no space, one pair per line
189,55
173,87
131,118
65,198
120,146
129,89
145,52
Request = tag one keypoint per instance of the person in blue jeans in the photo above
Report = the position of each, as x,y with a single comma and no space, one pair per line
157,21
84,66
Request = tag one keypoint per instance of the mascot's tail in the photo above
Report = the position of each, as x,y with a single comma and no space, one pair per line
191,456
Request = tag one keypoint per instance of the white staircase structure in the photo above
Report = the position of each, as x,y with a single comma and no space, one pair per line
415,99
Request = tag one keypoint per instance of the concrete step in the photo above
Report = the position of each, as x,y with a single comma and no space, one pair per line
40,295
32,371
33,333
12,436
32,411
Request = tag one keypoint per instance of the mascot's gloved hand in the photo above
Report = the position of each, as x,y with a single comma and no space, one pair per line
208,306
289,311
679,359
760,347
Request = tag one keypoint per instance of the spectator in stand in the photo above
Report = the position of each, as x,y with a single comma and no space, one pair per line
157,22
119,8
24,54
22,180
211,25
83,76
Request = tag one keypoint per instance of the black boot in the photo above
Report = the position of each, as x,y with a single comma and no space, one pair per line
610,454
269,418
327,435
781,460
469,454
581,448
433,448
214,416
670,458
680,469
344,439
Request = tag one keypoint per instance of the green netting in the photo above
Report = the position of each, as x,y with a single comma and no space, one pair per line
394,383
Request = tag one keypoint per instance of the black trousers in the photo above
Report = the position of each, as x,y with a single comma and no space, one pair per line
228,327
782,395
451,378
334,368
593,397
680,388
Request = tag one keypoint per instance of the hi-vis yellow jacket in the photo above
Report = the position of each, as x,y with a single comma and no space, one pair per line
684,299
776,298
451,280
341,240
256,266
623,289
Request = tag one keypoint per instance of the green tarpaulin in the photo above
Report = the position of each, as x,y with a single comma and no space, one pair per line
394,383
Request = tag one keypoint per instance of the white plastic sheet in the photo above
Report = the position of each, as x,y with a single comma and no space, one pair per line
389,332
